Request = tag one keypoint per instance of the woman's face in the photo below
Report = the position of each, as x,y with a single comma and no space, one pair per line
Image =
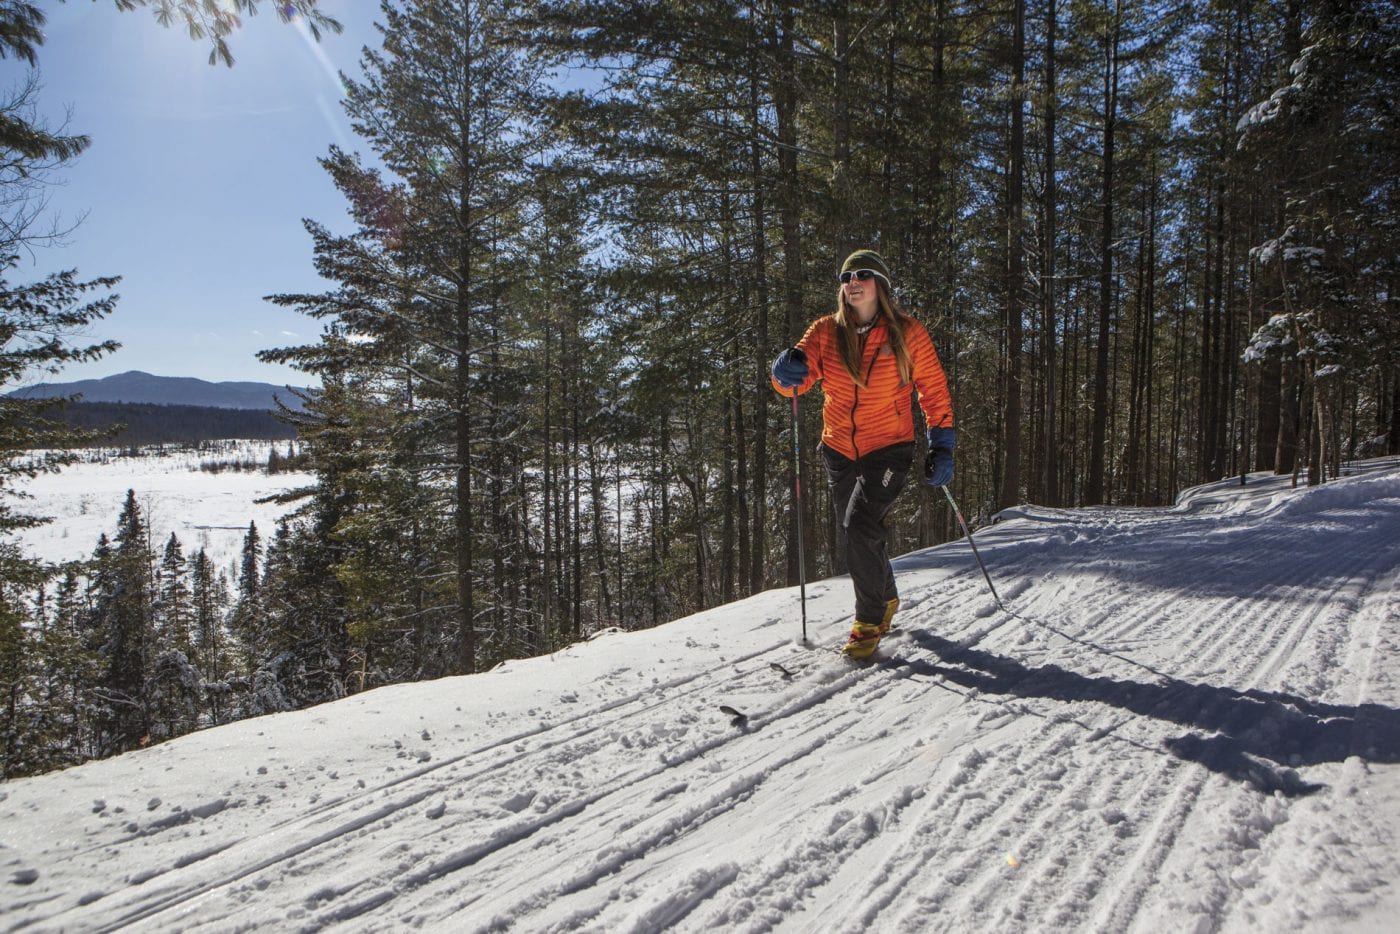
862,295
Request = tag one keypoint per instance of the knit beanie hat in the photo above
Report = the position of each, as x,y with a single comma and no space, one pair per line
867,259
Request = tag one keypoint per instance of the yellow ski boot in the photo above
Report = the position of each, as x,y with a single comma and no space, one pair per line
863,640
890,606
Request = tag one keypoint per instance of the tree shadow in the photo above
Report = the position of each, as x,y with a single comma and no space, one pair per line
1259,737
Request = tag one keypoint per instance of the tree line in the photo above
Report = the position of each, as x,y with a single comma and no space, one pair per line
135,645
1153,242
142,423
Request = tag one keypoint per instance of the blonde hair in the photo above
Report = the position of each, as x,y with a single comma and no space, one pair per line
848,341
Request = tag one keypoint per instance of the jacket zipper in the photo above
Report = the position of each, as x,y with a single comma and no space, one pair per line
854,449
856,403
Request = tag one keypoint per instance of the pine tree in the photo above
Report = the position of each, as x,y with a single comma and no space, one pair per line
447,108
308,639
174,694
174,611
17,666
213,658
175,684
246,621
71,669
123,620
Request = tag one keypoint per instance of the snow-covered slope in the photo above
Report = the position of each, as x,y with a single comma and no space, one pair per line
1191,722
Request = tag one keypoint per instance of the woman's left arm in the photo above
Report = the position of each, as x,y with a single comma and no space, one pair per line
929,378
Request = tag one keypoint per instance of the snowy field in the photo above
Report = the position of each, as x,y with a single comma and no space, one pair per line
1191,722
204,510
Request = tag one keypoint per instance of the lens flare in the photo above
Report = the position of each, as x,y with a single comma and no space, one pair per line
319,53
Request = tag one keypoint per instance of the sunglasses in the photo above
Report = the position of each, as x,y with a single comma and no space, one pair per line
864,275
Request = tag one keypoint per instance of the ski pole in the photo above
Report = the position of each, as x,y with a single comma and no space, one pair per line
797,511
968,532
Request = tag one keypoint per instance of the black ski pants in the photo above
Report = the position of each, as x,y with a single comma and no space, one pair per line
863,491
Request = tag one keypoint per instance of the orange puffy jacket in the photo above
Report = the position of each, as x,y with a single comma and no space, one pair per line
856,419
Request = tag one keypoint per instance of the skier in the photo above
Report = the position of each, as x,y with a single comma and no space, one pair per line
867,355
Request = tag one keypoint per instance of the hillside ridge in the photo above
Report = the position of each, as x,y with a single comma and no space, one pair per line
136,386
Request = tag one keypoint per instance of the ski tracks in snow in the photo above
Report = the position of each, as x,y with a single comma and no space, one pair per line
220,879
976,786
1026,771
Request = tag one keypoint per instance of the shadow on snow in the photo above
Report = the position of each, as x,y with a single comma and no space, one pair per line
1329,541
1252,736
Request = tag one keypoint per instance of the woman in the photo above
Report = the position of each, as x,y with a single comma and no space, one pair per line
869,355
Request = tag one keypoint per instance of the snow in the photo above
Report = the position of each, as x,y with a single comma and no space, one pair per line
1189,720
204,510
1266,253
1265,111
1272,336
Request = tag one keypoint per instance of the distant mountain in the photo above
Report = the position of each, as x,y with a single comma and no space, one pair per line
137,387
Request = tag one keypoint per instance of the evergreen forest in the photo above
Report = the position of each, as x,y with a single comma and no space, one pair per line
1155,244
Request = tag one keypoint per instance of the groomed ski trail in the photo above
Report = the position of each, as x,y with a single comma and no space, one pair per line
1022,772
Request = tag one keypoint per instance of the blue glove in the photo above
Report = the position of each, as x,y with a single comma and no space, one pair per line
938,466
790,369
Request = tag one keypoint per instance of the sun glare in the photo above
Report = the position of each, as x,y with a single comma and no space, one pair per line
319,53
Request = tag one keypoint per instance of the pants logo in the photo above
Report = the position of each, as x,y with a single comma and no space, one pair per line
889,475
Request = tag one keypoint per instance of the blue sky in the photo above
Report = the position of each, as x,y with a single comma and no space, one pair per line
197,179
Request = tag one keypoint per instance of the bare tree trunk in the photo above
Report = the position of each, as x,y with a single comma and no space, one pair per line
500,518
1178,402
1317,434
600,534
1139,369
546,620
790,215
731,493
1268,418
466,583
843,204
758,488
1015,273
1051,454
1150,349
1392,443
1094,491
1290,403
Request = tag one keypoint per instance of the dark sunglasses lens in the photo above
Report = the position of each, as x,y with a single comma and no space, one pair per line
864,275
